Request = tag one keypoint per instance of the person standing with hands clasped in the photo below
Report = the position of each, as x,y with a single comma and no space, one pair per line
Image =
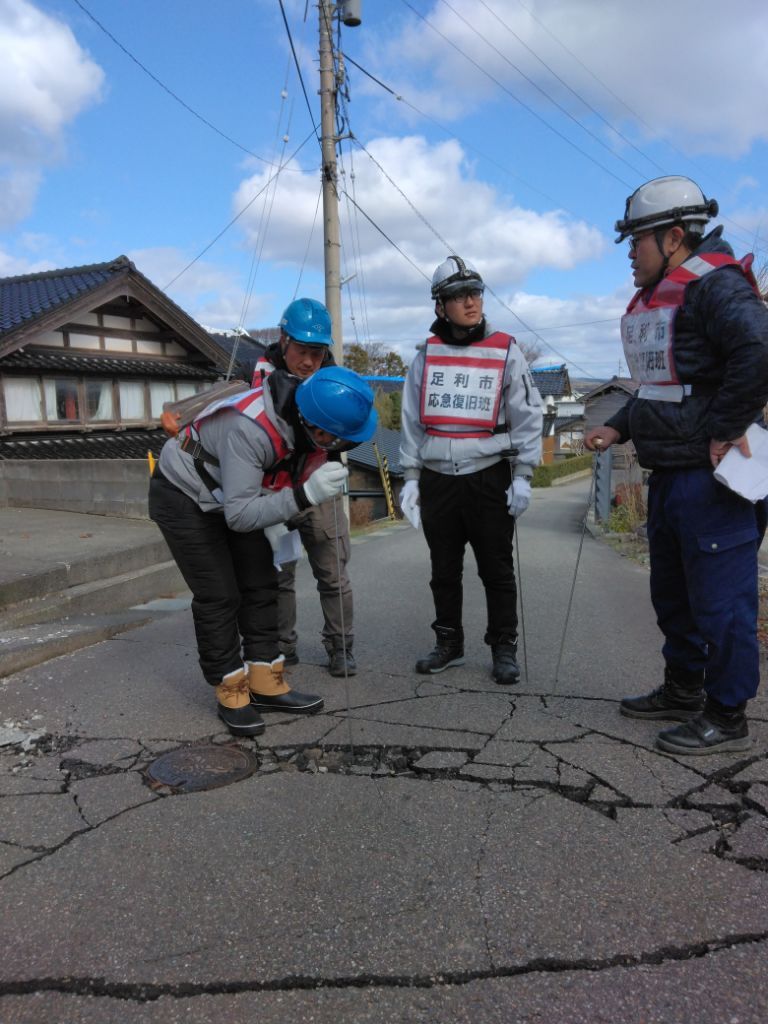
471,438
695,337
246,464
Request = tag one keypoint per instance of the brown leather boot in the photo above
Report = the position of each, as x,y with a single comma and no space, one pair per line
270,692
234,705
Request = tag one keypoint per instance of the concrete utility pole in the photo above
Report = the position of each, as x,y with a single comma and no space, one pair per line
331,233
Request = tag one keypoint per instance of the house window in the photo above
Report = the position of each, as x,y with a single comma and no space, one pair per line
132,400
61,400
99,400
160,391
22,399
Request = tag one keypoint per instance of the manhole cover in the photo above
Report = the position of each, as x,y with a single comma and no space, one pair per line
189,769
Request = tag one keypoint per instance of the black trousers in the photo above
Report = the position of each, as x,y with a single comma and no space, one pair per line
231,576
456,510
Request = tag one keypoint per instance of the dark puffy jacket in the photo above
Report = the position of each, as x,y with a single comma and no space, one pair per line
720,347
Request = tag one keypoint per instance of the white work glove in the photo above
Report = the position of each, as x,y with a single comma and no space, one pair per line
326,482
409,502
518,496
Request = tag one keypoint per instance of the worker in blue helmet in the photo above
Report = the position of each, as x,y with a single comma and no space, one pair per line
246,464
304,346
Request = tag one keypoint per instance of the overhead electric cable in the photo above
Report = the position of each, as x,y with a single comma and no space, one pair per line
309,243
543,92
235,218
170,92
394,185
573,92
509,92
298,66
640,120
465,142
384,235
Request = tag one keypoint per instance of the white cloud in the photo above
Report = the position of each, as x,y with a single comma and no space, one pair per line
46,79
438,205
689,73
18,190
208,293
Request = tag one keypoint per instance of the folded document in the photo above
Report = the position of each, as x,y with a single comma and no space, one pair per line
747,477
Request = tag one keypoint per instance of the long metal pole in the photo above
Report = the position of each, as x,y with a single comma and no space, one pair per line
331,234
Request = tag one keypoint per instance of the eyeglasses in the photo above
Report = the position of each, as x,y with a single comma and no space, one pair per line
635,240
465,293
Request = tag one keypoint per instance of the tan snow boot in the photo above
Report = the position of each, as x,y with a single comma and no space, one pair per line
270,692
234,705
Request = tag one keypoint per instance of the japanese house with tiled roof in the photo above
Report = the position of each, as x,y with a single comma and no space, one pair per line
88,356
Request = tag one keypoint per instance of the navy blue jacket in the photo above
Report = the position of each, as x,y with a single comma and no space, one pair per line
721,348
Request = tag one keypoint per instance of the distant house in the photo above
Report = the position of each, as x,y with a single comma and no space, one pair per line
601,403
563,412
88,356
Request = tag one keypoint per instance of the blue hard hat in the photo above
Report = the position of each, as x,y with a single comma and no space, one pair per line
308,322
336,399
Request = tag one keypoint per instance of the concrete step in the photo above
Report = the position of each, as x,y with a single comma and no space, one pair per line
26,647
97,596
62,573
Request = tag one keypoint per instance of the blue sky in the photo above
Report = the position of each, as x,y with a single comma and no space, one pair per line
520,128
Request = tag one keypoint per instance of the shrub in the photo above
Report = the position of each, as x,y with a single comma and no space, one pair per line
544,475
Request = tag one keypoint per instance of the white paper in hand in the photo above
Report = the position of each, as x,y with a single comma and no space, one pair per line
747,477
288,549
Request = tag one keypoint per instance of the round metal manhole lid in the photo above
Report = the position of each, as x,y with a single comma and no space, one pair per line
190,769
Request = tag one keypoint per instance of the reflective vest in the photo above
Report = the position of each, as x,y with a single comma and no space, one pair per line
462,386
283,473
647,328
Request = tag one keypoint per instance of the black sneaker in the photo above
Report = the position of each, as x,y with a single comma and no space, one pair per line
701,735
447,652
341,660
506,670
678,699
290,655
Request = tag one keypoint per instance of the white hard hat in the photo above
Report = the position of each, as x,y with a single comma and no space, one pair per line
670,200
454,275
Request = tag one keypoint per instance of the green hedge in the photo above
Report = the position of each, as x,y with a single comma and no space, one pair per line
544,475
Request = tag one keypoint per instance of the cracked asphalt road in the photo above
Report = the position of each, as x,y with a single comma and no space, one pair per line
426,850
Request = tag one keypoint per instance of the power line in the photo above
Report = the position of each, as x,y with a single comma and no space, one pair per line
509,92
171,93
465,142
546,95
634,114
570,89
236,217
298,67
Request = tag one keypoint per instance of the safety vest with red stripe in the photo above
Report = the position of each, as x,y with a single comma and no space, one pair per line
462,385
280,475
647,328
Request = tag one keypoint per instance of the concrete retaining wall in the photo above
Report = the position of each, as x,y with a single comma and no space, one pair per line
107,487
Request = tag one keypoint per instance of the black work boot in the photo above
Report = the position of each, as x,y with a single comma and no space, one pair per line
341,660
679,698
717,730
506,670
448,651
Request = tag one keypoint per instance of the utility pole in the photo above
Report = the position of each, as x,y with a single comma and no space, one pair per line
331,233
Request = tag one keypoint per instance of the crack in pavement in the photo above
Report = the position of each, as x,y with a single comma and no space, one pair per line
145,992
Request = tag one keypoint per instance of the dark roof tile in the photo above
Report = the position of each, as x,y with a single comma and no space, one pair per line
69,362
26,297
133,444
